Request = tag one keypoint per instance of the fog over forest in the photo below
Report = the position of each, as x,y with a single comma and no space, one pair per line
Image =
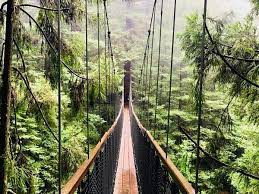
137,13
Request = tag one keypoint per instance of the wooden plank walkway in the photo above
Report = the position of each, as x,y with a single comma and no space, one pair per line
126,180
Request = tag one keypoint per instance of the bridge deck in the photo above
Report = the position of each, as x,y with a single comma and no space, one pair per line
126,181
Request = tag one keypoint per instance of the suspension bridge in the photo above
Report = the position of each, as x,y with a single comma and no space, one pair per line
127,159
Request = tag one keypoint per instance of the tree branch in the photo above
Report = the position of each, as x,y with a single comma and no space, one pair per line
39,7
21,55
51,46
235,58
225,109
241,171
15,124
36,101
225,45
227,63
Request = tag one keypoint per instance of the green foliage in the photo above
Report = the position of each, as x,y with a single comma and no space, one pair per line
230,105
244,40
229,115
256,6
33,162
219,132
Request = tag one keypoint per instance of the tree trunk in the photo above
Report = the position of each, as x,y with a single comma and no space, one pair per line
6,95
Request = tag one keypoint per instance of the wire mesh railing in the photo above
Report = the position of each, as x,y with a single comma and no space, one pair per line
97,174
155,172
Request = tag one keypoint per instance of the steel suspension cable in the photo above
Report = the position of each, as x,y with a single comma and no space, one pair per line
201,76
113,79
158,64
107,51
150,24
59,98
170,82
105,61
111,71
109,32
111,52
109,79
106,74
99,60
150,68
145,76
142,81
147,60
87,78
180,87
144,69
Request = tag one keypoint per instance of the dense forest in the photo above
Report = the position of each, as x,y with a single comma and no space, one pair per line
230,104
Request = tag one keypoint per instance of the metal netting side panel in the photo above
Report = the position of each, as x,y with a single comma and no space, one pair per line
101,178
140,155
152,176
115,151
92,184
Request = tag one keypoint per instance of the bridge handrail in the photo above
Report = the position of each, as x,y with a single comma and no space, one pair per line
74,182
177,176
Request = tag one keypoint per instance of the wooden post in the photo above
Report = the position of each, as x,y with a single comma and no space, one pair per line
6,96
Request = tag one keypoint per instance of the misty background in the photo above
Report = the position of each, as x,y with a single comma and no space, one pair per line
130,20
